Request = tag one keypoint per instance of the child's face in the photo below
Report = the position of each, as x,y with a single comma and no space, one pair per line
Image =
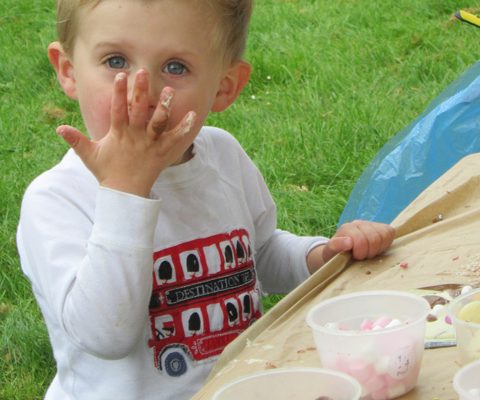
168,38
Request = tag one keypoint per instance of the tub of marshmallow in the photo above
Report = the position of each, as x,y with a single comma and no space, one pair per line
293,383
466,381
464,311
377,337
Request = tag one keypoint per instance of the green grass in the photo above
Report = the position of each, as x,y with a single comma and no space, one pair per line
332,82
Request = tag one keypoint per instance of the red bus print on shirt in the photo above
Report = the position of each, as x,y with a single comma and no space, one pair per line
204,295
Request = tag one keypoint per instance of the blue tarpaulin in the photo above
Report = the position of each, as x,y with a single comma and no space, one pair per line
408,163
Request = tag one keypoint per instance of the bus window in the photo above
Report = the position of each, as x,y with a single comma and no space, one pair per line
246,243
231,306
154,301
213,259
226,247
215,317
164,327
192,322
256,300
246,301
164,270
239,250
191,264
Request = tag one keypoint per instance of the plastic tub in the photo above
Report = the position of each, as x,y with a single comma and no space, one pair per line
466,381
467,333
386,361
292,384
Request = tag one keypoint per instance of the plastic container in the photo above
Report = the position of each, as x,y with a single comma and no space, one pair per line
386,361
292,384
466,381
467,333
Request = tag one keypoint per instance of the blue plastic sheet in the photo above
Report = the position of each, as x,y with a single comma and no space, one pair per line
447,131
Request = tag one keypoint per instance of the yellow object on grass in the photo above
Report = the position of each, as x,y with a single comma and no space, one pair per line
465,16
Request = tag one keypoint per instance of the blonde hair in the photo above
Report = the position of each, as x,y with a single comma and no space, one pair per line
233,18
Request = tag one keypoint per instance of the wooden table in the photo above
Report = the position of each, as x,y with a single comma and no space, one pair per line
439,251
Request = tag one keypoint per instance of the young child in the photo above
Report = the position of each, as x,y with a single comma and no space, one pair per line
153,183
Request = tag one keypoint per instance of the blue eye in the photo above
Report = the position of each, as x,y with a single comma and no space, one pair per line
175,68
117,62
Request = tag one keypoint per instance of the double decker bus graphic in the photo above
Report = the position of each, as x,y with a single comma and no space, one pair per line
205,293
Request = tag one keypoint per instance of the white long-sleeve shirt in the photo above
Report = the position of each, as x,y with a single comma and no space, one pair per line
140,295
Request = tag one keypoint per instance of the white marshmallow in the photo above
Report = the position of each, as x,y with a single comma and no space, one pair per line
332,326
466,289
394,322
437,309
381,365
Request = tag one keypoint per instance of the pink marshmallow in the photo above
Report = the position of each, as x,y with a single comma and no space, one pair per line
360,370
382,321
366,325
343,327
374,384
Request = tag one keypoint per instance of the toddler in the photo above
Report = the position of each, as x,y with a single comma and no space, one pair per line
146,245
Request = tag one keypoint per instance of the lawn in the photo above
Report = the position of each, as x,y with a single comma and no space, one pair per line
332,82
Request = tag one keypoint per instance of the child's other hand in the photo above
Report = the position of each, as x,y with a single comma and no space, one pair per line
135,150
364,239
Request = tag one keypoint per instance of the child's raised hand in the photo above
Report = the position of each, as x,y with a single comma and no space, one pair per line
135,150
364,239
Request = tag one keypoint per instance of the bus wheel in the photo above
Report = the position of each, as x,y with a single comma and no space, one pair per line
175,364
